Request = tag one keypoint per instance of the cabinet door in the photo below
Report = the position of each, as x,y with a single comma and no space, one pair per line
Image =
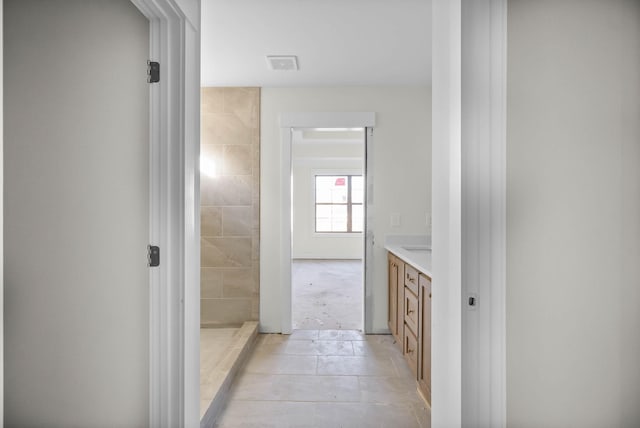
410,349
393,295
411,309
424,340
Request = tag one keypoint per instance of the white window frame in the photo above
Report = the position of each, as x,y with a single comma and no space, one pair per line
315,205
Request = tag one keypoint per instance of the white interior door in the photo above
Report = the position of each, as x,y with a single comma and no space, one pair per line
76,213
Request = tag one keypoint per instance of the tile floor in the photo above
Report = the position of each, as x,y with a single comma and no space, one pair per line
327,294
325,378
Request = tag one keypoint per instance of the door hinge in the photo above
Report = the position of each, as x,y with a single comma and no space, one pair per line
154,255
153,71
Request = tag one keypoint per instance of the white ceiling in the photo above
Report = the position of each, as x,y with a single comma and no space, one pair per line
337,42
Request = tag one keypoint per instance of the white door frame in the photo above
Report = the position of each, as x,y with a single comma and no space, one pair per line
309,120
1,213
469,221
175,220
484,126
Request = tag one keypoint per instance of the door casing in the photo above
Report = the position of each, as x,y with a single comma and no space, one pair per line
175,220
316,120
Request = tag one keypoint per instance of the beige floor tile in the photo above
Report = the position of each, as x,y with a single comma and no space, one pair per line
402,367
269,363
374,388
422,413
265,414
376,347
303,335
387,390
364,415
310,347
253,386
355,366
341,335
340,415
270,339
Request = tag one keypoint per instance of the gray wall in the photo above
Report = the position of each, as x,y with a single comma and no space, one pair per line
573,208
76,219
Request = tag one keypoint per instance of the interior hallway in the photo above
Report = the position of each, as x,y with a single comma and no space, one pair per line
325,378
327,294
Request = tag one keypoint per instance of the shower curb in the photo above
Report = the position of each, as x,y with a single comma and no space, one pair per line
227,369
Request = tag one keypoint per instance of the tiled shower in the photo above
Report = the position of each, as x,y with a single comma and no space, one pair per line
230,206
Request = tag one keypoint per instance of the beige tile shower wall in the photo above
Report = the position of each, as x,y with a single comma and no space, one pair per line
230,198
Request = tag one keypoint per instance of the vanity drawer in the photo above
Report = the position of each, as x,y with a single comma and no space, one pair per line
411,310
410,349
411,278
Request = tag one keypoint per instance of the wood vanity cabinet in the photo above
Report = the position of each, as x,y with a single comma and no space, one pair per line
396,297
410,318
424,340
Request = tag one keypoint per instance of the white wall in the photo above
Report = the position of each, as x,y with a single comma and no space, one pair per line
573,211
402,165
309,160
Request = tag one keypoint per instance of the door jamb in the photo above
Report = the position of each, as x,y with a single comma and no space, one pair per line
483,136
469,212
307,120
174,218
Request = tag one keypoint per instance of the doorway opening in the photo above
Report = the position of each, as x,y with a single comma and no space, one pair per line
328,223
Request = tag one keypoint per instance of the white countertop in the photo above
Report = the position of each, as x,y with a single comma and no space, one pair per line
414,250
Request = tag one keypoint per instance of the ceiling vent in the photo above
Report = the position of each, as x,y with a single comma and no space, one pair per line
283,63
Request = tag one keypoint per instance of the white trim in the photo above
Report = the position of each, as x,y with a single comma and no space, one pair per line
498,214
288,121
446,384
483,212
308,159
1,214
337,141
337,234
369,237
469,245
174,304
285,230
328,120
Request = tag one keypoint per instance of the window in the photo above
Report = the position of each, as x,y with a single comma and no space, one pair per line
339,201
